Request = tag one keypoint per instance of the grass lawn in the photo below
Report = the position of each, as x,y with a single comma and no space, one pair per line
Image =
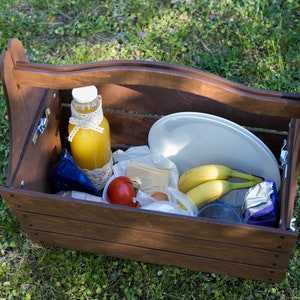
254,42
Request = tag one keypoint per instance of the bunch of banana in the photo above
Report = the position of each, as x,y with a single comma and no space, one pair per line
207,183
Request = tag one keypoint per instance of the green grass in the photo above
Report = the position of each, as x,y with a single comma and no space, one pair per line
254,42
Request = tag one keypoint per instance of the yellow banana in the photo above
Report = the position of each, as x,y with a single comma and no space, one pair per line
201,174
210,191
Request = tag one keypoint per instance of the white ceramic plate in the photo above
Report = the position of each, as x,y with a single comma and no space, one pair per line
242,129
192,139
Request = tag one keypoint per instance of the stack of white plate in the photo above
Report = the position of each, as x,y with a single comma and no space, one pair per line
192,139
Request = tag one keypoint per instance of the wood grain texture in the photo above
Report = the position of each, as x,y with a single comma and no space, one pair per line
36,161
159,76
22,104
161,101
177,243
240,234
150,255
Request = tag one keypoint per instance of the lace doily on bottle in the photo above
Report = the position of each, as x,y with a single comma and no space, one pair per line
100,176
85,121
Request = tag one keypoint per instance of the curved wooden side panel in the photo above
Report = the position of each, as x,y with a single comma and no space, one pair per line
159,77
22,104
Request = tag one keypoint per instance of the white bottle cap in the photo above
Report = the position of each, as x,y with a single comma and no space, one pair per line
85,94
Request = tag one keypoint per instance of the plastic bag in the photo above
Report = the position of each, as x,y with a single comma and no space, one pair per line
260,206
66,176
176,202
143,155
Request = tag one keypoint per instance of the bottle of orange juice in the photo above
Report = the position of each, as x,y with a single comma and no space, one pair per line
89,135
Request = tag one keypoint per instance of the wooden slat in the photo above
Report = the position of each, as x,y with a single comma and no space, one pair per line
121,124
132,109
163,101
153,240
239,234
158,257
122,133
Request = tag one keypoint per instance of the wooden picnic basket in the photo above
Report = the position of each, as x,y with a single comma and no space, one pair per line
135,94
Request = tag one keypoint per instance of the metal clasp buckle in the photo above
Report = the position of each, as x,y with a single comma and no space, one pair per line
42,126
283,158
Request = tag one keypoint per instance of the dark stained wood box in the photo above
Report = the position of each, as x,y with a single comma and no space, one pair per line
135,94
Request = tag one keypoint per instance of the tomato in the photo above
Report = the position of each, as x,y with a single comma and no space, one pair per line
121,191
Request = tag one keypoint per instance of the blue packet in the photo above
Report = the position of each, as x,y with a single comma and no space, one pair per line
261,205
67,176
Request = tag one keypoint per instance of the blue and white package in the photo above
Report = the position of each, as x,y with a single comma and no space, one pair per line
261,204
67,176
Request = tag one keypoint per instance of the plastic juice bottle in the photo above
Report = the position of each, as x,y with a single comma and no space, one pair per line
89,132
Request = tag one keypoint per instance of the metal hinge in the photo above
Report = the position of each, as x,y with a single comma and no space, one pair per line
42,126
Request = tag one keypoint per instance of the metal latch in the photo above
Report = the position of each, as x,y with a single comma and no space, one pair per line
42,125
283,158
292,225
